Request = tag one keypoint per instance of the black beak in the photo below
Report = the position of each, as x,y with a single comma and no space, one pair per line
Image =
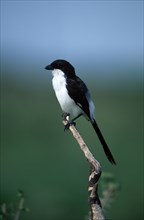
49,67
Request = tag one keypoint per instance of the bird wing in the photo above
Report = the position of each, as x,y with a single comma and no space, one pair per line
77,90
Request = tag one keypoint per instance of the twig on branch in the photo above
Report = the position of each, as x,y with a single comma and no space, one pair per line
8,211
95,173
20,207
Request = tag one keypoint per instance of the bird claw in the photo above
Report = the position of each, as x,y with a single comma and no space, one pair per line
69,123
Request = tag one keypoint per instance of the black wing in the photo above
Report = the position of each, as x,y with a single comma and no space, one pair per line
77,91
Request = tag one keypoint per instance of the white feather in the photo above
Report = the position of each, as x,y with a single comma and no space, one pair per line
67,104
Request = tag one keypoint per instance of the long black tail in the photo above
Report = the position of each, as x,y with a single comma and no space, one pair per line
104,144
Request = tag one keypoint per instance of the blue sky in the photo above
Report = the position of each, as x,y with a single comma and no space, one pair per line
101,34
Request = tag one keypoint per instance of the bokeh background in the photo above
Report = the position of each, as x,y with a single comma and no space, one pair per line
104,41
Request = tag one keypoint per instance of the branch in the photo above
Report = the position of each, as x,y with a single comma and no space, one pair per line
20,207
95,173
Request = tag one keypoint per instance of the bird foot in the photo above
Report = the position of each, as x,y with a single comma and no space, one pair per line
69,123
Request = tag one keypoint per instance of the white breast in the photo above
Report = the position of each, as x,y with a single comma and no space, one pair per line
65,101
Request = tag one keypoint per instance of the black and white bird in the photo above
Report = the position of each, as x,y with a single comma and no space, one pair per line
74,97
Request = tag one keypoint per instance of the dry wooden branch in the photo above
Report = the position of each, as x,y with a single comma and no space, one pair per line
95,173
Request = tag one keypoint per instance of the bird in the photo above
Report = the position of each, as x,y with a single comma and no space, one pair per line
74,98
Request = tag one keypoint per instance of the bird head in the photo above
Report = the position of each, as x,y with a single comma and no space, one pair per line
62,65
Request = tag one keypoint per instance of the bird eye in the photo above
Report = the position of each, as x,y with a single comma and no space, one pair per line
59,66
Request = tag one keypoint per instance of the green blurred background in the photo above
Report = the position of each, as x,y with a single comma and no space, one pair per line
37,156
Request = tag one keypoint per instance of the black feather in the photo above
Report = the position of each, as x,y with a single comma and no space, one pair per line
104,144
77,90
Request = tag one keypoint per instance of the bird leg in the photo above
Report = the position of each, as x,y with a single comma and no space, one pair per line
65,115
